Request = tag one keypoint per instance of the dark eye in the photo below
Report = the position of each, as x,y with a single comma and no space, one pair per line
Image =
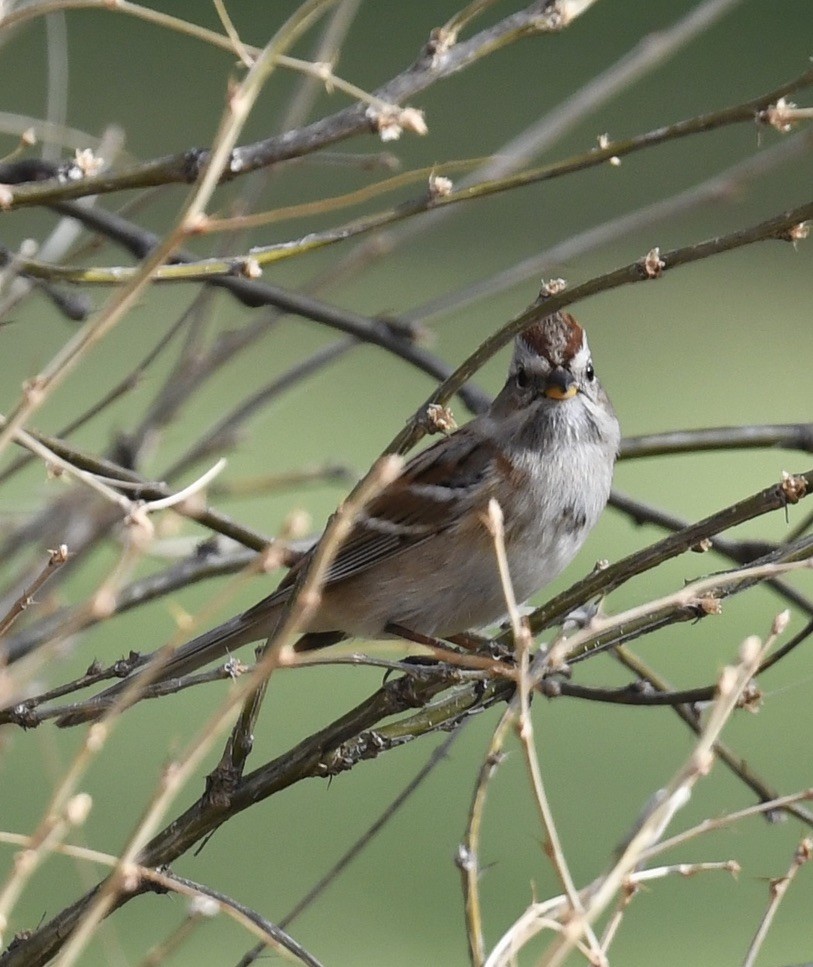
590,373
522,378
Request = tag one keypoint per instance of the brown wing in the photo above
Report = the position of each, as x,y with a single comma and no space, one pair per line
435,487
428,497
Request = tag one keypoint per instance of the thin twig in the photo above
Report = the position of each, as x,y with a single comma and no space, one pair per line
431,66
274,935
779,887
733,681
56,559
723,822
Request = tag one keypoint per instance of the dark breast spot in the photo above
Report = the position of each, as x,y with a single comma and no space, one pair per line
573,519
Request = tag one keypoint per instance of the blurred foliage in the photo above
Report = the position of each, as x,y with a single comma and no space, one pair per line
726,341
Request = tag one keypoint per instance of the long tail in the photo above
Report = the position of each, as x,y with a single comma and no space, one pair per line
214,644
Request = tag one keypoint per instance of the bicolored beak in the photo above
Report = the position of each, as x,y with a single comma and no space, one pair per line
561,385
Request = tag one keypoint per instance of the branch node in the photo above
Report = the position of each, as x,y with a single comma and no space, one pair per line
438,419
779,115
652,265
793,487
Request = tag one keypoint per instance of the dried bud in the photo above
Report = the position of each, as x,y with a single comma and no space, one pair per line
796,233
324,71
727,680
780,623
130,878
652,265
703,762
87,162
103,603
196,224
603,143
33,389
234,668
439,419
751,698
439,187
298,523
59,555
391,121
140,528
495,518
793,488
709,604
78,808
250,268
804,853
203,906
413,120
440,41
551,287
750,649
779,115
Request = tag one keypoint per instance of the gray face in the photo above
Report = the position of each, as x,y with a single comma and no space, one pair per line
552,375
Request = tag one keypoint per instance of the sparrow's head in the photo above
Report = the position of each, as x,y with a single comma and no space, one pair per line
552,359
552,394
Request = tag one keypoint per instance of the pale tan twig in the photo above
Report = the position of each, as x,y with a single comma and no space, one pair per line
67,810
268,560
695,594
778,887
175,776
721,822
691,717
163,880
194,488
467,856
635,879
517,713
235,117
231,32
523,642
137,534
551,913
55,462
683,869
238,108
625,897
651,52
732,683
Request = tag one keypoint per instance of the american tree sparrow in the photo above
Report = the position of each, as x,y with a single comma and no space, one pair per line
420,555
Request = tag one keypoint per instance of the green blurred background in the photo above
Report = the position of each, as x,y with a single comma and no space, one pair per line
726,341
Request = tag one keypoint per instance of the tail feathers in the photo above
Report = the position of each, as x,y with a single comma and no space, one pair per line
217,643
